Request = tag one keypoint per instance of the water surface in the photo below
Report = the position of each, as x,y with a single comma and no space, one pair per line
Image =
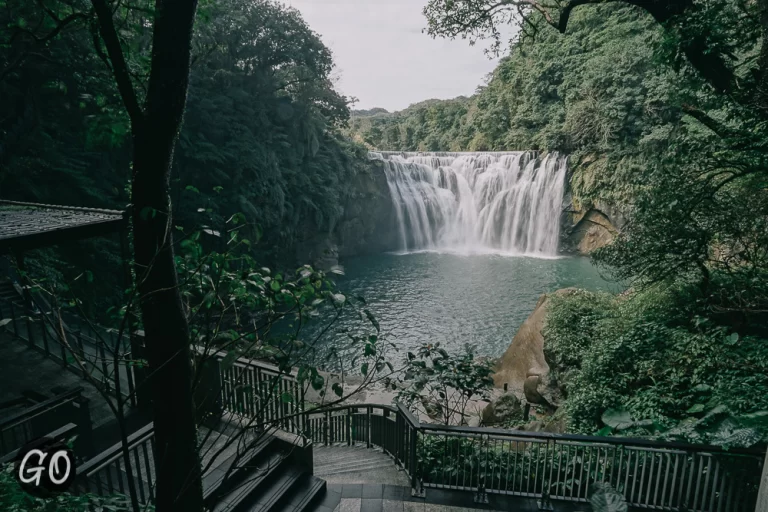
455,299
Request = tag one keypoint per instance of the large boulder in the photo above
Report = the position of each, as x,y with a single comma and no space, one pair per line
502,411
523,368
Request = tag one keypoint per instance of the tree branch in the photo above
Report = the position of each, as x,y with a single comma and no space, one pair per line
119,66
702,117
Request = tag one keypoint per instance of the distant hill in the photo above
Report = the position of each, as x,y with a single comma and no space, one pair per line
369,112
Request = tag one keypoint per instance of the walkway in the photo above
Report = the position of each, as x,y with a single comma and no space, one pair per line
356,465
391,498
367,480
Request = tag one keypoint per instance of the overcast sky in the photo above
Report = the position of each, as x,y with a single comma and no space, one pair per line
384,60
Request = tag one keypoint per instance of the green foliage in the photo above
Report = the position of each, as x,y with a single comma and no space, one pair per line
262,124
441,384
653,363
14,499
242,309
261,130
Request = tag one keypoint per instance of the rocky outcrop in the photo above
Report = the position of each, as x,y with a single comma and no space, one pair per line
589,222
502,411
367,225
589,230
523,368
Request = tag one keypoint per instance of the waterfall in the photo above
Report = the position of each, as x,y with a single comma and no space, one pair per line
505,202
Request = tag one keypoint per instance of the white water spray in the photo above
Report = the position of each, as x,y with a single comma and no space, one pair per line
477,202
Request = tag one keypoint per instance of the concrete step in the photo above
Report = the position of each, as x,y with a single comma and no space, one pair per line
324,469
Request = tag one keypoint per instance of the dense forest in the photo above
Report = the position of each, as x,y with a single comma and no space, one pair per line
260,135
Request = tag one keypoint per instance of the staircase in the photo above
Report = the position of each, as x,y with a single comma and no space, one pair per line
273,475
9,293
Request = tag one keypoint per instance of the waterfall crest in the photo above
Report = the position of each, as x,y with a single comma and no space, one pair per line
503,202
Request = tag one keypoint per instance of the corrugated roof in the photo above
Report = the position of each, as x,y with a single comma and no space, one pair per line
31,225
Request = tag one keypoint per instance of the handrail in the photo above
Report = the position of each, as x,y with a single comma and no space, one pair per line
107,473
33,411
415,423
58,434
122,213
622,441
246,361
33,327
115,451
652,474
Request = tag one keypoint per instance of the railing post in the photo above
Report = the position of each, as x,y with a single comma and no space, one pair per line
349,426
62,345
44,334
368,427
104,368
30,336
81,351
325,427
481,496
417,489
84,424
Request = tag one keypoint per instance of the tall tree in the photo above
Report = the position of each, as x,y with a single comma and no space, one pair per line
155,129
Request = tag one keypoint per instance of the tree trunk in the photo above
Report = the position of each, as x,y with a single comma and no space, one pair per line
177,465
165,324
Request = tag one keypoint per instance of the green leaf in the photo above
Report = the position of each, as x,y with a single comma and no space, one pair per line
618,419
605,431
147,212
696,408
317,382
337,389
287,398
364,369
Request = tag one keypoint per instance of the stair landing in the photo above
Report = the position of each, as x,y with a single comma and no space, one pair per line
341,464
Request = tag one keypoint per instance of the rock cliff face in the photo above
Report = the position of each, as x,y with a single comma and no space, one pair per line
587,229
366,227
589,221
523,367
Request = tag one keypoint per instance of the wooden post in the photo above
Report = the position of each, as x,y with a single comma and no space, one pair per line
207,394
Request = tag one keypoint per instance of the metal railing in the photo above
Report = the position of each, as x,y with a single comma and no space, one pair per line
61,434
262,392
53,334
107,473
652,475
36,420
392,428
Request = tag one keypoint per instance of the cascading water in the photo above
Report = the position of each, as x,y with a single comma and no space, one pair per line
477,202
